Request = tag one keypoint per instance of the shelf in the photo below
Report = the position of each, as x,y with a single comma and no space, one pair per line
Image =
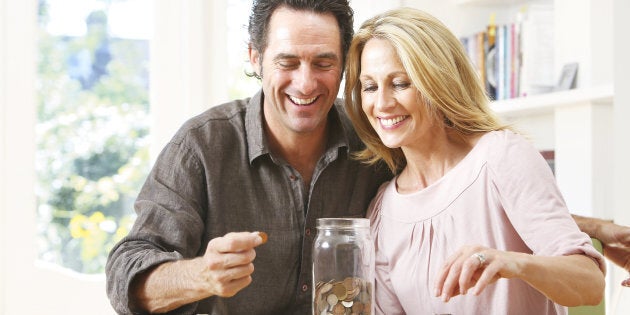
547,103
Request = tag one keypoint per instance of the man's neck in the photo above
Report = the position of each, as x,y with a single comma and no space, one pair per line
301,151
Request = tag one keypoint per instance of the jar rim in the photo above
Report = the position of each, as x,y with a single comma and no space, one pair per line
343,223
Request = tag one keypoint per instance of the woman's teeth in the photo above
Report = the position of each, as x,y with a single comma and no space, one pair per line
392,121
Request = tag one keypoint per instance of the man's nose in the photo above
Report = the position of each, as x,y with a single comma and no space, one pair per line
305,80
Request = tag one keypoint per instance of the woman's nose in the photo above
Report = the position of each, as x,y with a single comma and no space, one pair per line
384,99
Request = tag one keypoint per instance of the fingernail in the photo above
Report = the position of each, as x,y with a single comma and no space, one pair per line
436,292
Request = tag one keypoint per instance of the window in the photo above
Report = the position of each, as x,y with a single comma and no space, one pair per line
92,126
239,85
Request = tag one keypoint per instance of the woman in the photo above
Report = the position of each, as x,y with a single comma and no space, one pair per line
472,201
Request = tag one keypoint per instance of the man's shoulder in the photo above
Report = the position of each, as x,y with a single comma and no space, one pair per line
226,111
230,113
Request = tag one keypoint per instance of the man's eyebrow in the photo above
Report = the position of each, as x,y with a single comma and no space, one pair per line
284,56
327,56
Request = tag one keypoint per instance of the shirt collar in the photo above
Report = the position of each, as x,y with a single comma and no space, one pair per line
341,134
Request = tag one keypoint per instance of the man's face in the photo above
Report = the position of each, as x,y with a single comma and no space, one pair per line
301,70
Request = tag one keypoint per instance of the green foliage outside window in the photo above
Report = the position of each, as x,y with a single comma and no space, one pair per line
92,141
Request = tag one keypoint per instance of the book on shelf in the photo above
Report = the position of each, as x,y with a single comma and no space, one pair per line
550,157
515,59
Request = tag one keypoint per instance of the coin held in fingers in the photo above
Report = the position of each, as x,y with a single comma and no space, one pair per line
264,237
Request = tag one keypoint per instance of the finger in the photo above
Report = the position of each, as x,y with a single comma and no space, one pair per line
234,286
443,274
218,261
234,273
451,283
235,242
487,276
470,266
228,282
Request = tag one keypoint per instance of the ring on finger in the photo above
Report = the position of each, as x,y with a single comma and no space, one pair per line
481,258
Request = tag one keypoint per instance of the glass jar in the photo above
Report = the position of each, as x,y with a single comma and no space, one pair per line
343,267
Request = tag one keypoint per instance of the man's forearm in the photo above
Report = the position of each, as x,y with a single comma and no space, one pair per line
169,286
590,226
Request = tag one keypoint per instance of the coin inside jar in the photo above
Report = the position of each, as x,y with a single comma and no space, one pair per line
349,296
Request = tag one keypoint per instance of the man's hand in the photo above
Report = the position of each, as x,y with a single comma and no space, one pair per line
223,270
228,262
614,237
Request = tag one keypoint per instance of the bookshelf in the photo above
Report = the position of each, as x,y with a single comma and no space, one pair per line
575,124
547,103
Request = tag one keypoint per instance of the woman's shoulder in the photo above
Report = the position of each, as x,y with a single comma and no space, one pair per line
506,144
374,209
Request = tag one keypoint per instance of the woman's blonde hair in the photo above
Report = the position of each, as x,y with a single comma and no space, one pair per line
439,69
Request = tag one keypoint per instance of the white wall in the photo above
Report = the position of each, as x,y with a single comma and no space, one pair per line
191,73
620,301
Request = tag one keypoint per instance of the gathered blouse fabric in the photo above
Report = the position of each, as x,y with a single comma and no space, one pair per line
502,195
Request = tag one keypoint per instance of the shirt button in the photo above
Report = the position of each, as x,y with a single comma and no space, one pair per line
307,232
304,288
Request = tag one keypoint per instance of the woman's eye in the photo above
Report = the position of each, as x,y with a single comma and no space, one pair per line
401,85
369,88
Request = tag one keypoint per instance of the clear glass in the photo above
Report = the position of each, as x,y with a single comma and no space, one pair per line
343,267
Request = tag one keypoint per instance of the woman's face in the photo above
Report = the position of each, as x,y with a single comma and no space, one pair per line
389,99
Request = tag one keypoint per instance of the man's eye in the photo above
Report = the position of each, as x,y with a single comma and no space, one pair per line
287,64
325,65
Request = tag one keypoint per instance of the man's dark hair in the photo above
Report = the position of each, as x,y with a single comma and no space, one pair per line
263,9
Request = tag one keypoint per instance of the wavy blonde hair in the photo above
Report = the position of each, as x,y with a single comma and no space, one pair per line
439,69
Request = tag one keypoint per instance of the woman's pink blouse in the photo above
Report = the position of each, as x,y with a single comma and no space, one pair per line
501,195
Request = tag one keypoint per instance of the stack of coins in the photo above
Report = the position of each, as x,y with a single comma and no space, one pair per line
352,296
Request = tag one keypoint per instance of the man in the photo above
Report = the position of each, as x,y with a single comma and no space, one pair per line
273,163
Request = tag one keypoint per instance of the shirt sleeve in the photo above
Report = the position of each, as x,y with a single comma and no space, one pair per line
528,191
168,226
386,301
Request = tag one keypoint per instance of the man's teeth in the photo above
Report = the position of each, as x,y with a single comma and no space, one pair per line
302,101
392,121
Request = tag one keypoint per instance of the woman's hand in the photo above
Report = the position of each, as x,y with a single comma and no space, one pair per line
475,267
567,280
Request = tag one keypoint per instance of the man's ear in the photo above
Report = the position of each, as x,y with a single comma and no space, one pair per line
254,59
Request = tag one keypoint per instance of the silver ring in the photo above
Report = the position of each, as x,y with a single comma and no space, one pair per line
481,257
